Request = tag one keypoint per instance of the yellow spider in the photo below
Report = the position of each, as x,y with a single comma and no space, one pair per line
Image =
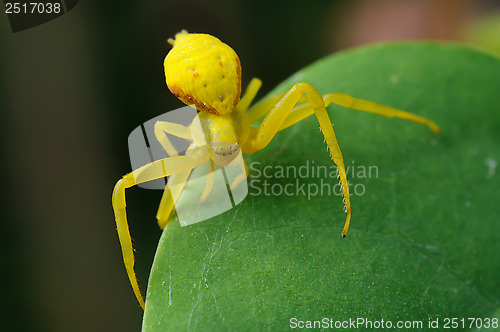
206,73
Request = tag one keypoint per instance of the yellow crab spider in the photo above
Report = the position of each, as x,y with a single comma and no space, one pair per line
206,73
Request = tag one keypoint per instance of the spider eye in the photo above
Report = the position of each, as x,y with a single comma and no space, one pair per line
224,153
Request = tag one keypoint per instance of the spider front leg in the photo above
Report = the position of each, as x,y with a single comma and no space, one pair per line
260,137
176,182
162,128
171,194
152,171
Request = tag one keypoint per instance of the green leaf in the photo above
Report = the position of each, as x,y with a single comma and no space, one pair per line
424,241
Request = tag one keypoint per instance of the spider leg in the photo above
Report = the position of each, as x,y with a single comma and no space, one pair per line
171,192
210,177
302,111
173,189
347,101
251,91
163,127
152,171
210,182
262,108
240,178
260,137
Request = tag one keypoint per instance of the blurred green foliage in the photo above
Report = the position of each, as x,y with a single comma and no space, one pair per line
485,33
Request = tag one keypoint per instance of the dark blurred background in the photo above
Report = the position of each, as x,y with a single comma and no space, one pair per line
73,89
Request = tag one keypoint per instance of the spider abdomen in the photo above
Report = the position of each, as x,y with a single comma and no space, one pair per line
202,70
